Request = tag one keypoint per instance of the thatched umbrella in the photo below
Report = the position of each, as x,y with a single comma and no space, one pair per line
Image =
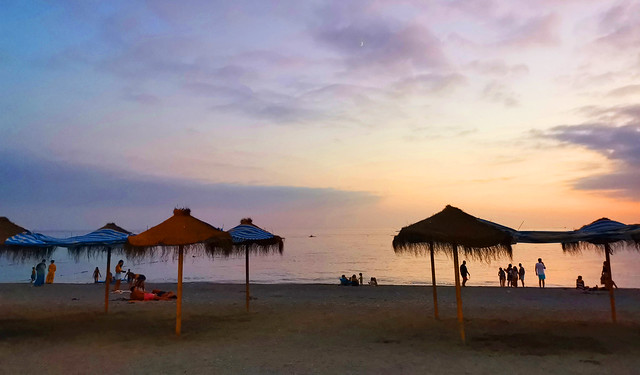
248,237
19,252
607,235
447,231
181,232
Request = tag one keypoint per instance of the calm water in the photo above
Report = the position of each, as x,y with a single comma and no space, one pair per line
323,258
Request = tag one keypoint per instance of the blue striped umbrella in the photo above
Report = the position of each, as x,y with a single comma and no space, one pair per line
248,237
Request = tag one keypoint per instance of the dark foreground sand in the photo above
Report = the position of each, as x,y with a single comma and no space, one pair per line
325,329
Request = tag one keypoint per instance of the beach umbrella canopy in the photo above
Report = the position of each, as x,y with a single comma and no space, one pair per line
19,252
248,237
604,235
179,232
453,227
447,231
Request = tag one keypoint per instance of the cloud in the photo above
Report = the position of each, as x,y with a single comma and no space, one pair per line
497,92
428,84
619,27
618,143
498,68
49,185
539,31
627,90
367,40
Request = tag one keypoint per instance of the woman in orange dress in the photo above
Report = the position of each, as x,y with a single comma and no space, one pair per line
52,273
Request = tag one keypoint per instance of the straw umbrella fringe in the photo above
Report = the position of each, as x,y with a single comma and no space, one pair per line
448,231
180,233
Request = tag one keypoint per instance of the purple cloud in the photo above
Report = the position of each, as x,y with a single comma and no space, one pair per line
619,143
627,90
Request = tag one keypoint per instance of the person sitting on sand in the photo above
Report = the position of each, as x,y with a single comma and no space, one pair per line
344,280
354,280
96,275
373,282
502,276
580,284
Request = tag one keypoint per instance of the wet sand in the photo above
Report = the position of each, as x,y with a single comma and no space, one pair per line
324,329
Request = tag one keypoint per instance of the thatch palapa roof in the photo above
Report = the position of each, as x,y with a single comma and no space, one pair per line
249,237
453,227
181,229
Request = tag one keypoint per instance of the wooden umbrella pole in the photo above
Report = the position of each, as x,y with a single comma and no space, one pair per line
456,271
246,248
607,251
179,301
107,282
433,283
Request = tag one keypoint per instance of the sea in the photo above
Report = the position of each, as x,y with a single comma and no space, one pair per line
322,256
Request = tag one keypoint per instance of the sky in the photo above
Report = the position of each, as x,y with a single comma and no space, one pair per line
319,114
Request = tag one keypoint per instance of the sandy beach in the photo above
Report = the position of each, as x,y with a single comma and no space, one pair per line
302,329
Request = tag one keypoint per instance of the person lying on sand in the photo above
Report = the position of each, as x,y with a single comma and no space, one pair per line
139,294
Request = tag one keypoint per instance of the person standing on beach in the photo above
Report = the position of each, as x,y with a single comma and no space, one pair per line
540,267
521,274
52,272
33,274
464,273
40,268
118,274
360,279
96,275
502,276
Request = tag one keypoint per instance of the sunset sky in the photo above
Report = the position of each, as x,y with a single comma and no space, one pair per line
319,114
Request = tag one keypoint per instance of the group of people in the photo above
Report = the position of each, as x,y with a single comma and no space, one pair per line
511,275
130,276
138,292
356,280
605,279
37,273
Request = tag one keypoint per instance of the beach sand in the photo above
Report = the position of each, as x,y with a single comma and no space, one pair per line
324,329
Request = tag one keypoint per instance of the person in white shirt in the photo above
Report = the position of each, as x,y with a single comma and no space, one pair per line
540,267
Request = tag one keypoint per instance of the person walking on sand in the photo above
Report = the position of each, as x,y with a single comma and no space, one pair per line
40,268
96,275
52,272
464,273
521,274
540,267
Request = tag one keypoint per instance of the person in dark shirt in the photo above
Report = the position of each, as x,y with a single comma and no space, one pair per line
464,273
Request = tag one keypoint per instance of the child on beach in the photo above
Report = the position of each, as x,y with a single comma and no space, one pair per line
373,282
96,275
33,274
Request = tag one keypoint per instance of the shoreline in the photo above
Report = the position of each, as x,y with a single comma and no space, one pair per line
318,328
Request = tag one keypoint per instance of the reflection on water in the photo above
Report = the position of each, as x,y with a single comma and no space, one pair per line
323,258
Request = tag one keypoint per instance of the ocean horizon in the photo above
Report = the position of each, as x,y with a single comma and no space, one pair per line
323,258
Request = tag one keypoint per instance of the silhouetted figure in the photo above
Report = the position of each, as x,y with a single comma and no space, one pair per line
521,274
464,273
540,267
502,276
96,275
